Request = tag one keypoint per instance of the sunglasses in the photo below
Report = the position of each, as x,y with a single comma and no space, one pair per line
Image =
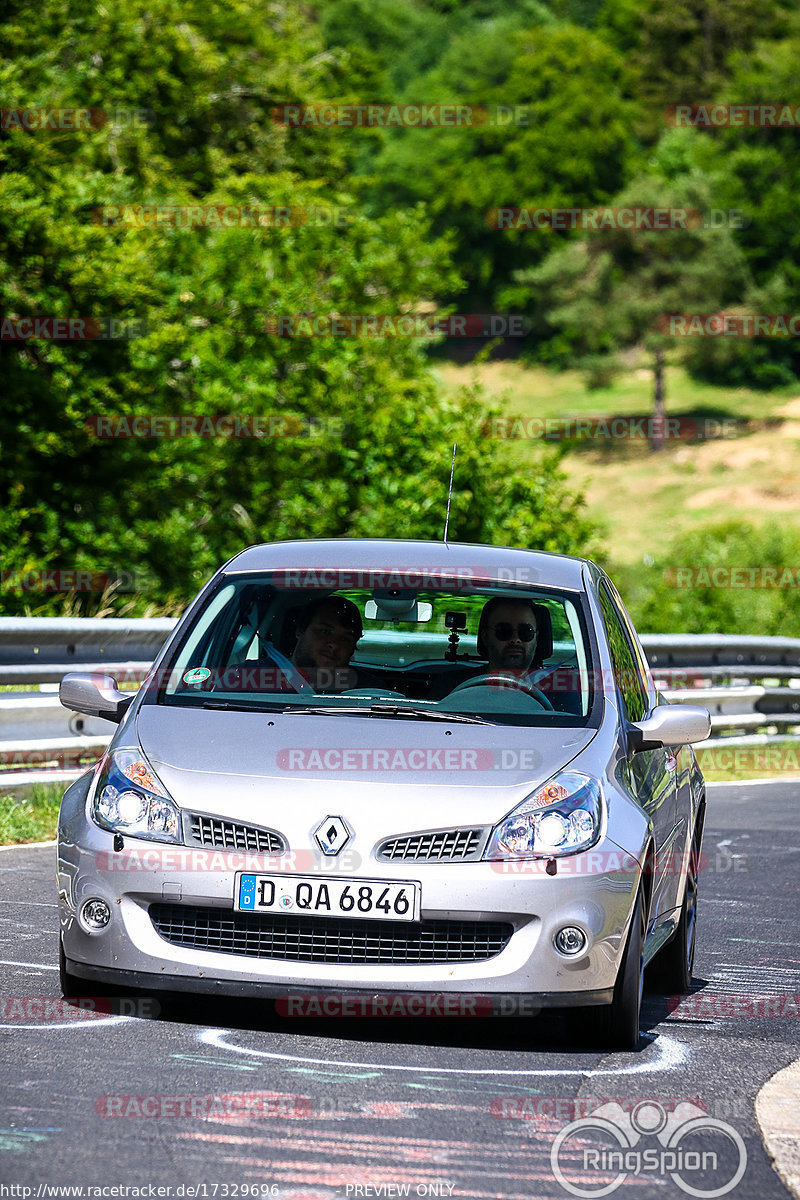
504,631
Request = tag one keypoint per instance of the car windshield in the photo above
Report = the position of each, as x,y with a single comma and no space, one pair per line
448,651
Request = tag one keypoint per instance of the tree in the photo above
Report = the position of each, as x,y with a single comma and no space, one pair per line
570,144
682,51
370,436
613,289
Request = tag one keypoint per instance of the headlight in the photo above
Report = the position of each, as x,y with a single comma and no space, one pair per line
130,798
561,818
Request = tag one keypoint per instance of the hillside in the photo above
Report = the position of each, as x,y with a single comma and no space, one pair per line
642,499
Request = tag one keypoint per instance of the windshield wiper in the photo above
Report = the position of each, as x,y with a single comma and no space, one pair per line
427,714
239,706
382,710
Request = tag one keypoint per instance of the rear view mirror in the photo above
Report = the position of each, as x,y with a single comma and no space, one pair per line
670,725
95,695
396,604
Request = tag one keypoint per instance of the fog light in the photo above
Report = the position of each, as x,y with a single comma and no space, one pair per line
95,914
570,940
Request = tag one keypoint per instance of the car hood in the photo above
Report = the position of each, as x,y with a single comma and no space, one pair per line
262,767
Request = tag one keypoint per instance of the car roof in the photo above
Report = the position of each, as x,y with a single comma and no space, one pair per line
408,557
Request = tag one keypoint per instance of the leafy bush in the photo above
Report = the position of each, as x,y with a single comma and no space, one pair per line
681,592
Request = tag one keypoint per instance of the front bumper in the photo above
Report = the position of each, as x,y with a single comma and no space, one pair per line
594,891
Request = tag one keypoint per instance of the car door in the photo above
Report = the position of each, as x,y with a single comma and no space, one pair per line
649,776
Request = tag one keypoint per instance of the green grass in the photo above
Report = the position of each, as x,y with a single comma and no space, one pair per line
639,499
31,816
534,391
774,760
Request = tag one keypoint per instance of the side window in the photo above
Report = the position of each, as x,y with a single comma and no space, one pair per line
638,650
626,671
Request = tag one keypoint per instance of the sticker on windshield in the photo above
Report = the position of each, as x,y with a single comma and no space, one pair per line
197,675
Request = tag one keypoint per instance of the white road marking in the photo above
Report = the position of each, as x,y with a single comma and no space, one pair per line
670,1054
10,962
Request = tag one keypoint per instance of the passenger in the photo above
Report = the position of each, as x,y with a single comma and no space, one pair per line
328,630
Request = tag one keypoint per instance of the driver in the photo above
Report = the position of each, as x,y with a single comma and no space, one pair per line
328,629
508,634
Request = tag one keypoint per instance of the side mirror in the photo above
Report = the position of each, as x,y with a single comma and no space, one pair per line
670,725
95,695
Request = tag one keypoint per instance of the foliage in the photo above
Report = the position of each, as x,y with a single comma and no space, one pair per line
614,288
565,141
189,90
370,436
676,595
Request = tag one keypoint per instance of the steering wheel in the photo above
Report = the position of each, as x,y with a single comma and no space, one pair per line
505,679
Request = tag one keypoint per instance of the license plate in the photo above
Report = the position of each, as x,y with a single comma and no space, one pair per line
310,896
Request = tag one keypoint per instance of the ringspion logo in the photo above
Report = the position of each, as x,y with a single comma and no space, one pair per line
686,1145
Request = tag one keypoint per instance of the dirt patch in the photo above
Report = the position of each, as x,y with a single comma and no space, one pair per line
775,498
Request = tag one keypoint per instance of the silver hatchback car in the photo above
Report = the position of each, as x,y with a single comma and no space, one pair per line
370,769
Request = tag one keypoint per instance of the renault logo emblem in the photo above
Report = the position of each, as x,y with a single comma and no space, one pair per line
332,835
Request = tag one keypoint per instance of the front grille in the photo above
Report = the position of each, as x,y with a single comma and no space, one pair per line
230,835
329,940
447,845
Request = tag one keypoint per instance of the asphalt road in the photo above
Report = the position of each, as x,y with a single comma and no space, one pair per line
312,1110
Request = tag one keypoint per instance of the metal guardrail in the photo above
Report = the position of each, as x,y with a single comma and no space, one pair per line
721,671
750,685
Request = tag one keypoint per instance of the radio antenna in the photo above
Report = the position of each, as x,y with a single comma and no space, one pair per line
449,493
